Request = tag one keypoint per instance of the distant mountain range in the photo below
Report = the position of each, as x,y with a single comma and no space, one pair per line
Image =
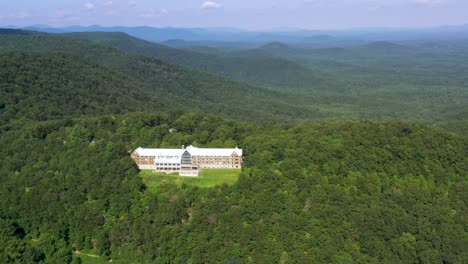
259,69
269,82
222,35
101,79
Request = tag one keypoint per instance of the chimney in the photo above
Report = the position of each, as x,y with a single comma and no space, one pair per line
183,146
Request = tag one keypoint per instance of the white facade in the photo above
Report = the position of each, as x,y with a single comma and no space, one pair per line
167,159
187,161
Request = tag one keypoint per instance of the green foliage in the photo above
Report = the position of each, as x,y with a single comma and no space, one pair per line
43,86
314,192
383,80
264,71
150,83
325,192
379,81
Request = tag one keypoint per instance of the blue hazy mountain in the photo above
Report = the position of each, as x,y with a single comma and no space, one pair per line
222,35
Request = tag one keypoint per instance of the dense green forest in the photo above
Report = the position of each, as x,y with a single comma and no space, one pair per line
330,193
265,71
181,88
315,187
41,86
419,88
380,80
417,81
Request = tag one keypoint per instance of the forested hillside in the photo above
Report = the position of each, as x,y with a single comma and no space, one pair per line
379,80
327,193
311,190
42,86
417,81
425,64
379,92
176,86
267,71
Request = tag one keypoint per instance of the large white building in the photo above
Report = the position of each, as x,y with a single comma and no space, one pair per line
187,161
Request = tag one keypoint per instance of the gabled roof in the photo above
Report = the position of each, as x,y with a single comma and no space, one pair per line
162,155
224,152
194,151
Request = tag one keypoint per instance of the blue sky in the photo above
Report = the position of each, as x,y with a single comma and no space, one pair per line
246,14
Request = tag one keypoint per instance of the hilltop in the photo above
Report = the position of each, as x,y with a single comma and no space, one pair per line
175,86
258,70
73,107
42,86
350,83
312,193
355,84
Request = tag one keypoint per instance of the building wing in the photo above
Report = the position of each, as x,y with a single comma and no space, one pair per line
161,154
213,152
187,161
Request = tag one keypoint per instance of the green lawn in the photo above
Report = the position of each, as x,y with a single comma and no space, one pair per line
90,258
207,178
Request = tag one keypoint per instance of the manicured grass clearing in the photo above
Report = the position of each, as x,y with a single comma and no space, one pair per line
207,178
90,259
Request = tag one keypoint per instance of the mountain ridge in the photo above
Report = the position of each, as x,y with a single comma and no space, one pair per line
256,70
193,89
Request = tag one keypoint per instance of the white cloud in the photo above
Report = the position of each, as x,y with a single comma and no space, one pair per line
428,2
108,3
152,13
15,15
112,13
210,5
132,3
20,15
63,15
88,6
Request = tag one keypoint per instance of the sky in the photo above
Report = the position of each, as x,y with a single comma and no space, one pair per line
242,14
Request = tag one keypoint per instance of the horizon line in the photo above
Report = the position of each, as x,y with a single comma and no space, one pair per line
276,29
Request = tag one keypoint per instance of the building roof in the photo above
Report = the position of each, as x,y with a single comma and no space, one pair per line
162,155
224,152
172,154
